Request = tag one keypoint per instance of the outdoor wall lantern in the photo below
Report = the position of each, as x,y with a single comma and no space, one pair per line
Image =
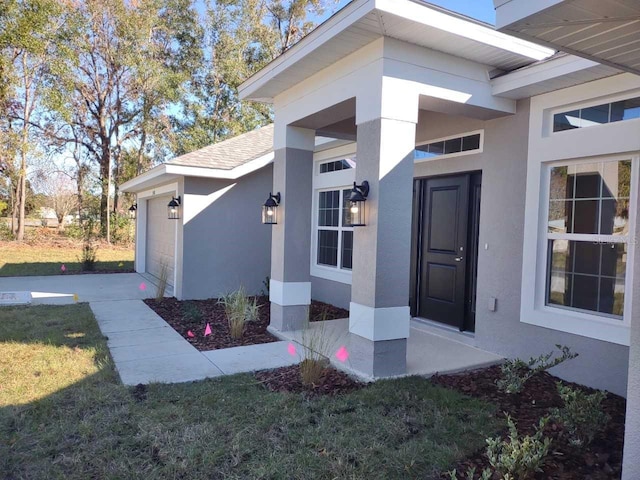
133,209
270,209
174,208
357,200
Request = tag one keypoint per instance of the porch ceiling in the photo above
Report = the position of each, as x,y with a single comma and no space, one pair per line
363,21
607,31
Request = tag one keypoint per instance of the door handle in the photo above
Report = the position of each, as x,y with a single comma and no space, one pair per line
458,259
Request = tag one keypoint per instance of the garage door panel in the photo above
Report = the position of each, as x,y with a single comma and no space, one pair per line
161,237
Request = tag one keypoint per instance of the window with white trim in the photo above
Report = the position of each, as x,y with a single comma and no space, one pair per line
588,236
335,240
467,143
332,240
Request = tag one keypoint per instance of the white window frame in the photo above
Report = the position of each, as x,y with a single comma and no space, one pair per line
323,182
534,308
551,113
480,149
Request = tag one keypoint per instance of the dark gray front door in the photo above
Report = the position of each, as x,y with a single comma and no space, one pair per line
445,249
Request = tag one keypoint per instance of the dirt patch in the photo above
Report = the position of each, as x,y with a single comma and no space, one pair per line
287,379
193,316
600,460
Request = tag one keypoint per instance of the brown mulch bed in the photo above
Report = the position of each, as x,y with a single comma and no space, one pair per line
600,460
193,315
320,311
287,379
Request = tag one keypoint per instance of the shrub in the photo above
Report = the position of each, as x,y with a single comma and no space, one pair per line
239,309
581,415
316,344
88,256
74,230
191,312
5,231
519,457
121,229
515,373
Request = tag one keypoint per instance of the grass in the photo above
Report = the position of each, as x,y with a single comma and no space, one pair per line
23,260
64,414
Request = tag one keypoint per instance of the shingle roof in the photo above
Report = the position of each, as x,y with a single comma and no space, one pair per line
231,153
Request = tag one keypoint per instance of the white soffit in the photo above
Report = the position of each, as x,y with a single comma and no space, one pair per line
559,72
363,21
607,31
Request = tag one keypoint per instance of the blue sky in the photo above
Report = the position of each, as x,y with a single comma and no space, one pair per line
478,9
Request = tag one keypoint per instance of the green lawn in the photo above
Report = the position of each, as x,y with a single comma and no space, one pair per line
22,259
64,414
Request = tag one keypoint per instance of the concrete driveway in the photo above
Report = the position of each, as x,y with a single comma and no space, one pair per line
60,289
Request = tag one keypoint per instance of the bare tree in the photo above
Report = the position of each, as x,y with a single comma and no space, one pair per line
61,194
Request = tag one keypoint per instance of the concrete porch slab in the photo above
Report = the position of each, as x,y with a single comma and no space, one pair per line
251,358
427,354
187,367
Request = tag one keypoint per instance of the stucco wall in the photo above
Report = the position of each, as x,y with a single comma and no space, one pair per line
503,164
225,243
329,291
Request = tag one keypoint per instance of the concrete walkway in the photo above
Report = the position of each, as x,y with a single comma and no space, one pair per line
144,347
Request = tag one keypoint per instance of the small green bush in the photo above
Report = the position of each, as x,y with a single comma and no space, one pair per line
519,457
515,373
239,309
74,231
191,312
88,256
581,415
122,229
5,231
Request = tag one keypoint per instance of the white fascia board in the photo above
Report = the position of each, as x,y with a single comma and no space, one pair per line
136,184
340,21
513,11
233,174
420,13
540,73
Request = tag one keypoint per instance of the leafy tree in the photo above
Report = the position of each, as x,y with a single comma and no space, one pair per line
31,34
243,36
129,60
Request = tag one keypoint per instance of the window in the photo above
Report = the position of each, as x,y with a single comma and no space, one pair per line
337,165
588,236
622,110
471,143
335,242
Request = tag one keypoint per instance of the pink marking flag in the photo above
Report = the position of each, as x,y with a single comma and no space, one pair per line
63,268
190,334
143,286
342,354
207,330
292,349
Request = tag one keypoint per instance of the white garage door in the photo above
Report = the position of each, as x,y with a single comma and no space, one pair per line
161,238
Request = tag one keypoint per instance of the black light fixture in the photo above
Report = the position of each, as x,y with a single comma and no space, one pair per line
357,200
133,209
270,209
174,208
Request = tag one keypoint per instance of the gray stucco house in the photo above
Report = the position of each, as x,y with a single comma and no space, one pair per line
502,171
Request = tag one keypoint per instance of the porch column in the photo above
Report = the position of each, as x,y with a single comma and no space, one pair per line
630,464
290,284
379,311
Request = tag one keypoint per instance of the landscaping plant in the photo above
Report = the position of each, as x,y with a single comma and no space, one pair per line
581,415
316,344
163,280
89,247
515,373
239,308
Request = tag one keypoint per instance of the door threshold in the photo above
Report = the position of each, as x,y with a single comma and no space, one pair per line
442,330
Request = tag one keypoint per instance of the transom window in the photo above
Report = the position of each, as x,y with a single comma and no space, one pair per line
622,110
449,146
335,241
588,236
337,165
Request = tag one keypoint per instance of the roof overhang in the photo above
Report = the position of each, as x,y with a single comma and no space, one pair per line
167,172
605,31
364,21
